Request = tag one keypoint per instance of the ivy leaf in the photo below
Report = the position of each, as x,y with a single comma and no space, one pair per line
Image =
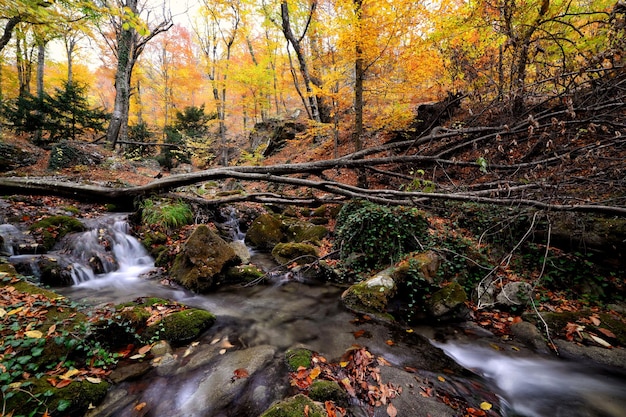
63,404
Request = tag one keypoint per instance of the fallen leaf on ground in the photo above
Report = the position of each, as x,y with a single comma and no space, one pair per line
391,410
240,373
485,406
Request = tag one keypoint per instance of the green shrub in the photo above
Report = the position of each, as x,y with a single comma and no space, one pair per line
378,235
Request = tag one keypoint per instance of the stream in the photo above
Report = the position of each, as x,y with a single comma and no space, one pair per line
256,325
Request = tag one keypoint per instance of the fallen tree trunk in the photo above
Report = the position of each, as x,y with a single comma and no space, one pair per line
279,174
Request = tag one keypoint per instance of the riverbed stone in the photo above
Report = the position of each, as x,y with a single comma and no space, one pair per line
529,335
203,260
220,385
181,327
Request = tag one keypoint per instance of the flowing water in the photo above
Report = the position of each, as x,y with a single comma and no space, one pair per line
257,324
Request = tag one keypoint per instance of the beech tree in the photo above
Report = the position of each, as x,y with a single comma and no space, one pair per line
127,33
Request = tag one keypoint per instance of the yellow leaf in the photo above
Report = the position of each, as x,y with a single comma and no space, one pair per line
3,312
137,356
15,311
409,330
485,406
35,334
440,378
15,385
93,380
343,364
315,372
70,373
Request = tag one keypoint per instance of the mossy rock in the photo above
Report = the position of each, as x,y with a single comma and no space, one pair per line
448,301
203,260
322,391
301,231
372,296
72,400
301,253
426,264
12,157
243,273
180,327
299,357
295,407
265,232
268,230
52,229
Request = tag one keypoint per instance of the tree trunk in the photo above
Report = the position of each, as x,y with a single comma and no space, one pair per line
359,75
304,70
41,60
121,106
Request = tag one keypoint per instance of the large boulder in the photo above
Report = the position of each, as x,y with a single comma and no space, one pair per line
265,232
203,260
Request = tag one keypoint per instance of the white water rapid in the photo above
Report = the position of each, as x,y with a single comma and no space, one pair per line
538,387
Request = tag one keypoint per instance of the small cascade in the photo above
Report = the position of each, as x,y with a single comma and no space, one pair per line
231,226
9,234
107,248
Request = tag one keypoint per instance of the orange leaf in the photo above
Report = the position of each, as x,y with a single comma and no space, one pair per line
52,381
330,409
144,349
240,373
607,332
140,406
63,383
391,410
474,412
595,320
306,410
358,333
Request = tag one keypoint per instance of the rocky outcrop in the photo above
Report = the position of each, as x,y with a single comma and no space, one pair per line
65,155
273,134
203,260
13,157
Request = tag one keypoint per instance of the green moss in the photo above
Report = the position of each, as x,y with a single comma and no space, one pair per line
294,407
451,294
302,253
73,400
52,229
296,358
181,327
265,232
323,391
